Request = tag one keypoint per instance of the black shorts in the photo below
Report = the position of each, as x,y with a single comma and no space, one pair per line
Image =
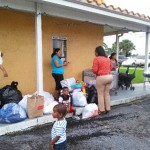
58,78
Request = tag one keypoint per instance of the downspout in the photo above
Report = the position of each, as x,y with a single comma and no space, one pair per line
39,57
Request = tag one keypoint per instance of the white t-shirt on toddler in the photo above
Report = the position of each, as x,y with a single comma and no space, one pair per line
59,129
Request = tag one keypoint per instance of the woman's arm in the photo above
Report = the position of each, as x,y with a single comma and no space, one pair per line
111,66
57,63
4,71
60,65
95,66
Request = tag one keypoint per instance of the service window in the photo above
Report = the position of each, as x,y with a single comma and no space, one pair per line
61,42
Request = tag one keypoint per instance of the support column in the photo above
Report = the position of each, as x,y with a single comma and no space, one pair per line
39,57
117,45
147,47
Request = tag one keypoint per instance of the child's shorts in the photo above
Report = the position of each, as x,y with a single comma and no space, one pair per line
70,109
61,146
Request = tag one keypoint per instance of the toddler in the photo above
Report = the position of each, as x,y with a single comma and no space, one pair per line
58,132
66,99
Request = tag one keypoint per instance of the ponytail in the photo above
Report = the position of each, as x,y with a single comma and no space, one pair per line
112,54
55,52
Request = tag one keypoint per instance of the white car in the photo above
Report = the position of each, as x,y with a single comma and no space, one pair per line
129,62
140,60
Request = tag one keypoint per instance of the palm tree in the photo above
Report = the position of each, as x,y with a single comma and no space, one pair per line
107,49
125,46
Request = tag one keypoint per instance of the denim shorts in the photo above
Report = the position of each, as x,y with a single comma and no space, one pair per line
61,146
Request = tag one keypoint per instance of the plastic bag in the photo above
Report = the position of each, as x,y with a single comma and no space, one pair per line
48,98
49,108
90,110
79,99
11,113
10,94
46,95
23,102
68,83
92,96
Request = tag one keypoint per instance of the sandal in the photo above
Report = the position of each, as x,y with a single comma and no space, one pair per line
101,112
107,111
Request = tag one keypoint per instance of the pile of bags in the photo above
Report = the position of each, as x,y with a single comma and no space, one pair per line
81,88
36,105
82,94
14,107
78,91
74,85
11,111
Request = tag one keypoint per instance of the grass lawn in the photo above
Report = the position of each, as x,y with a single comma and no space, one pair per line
138,74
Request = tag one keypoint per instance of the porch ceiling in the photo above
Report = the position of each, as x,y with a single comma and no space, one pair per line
111,30
113,21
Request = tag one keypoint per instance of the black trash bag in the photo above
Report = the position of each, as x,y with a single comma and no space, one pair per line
92,95
10,94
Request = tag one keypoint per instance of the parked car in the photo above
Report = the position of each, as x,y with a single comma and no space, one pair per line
129,62
140,60
121,58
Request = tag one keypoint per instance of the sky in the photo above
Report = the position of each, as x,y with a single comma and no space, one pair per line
138,6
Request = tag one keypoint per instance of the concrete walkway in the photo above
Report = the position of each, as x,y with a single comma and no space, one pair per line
123,96
126,96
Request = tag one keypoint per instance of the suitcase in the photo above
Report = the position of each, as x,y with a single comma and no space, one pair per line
89,77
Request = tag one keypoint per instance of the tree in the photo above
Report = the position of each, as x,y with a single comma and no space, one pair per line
107,49
125,46
114,47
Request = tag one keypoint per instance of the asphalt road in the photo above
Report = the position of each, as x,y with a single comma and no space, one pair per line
126,127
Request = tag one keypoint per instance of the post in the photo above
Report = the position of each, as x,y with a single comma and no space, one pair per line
147,47
39,59
117,45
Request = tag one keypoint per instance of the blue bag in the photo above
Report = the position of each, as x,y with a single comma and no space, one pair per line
12,113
